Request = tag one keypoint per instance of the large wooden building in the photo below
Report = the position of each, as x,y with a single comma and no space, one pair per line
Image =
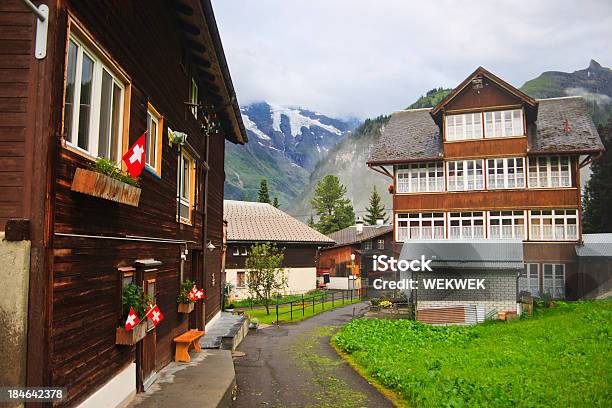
88,85
491,163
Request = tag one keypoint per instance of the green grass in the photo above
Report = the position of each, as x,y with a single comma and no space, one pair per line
283,310
246,303
561,357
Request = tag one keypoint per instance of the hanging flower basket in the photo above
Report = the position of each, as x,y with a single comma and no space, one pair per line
186,308
391,188
130,338
102,186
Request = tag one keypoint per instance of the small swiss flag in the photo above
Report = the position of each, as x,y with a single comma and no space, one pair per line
132,320
155,315
134,158
199,295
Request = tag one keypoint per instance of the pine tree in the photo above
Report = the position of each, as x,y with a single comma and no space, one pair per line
263,195
311,222
375,210
334,210
275,202
597,214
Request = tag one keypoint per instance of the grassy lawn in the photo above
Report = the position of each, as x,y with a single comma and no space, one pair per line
284,315
247,302
561,357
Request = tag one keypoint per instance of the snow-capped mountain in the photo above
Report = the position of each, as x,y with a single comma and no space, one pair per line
285,144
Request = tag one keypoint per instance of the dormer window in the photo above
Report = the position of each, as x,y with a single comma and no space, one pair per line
505,123
469,126
464,127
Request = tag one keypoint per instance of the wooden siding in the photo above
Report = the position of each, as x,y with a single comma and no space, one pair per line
489,96
481,148
296,256
487,200
16,49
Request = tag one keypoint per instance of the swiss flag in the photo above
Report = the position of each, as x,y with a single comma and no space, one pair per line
199,295
192,294
132,320
155,315
134,158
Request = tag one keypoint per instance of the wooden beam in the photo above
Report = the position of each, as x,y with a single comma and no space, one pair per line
183,8
189,28
194,45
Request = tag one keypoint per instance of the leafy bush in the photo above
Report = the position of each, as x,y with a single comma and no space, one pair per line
560,357
375,301
133,297
107,167
183,296
385,304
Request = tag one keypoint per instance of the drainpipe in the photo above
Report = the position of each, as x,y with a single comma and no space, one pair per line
205,223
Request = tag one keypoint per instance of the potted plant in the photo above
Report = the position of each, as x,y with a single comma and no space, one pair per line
374,304
254,323
105,180
133,298
185,303
176,138
230,308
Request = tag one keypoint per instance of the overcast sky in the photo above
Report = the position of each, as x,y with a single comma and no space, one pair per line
368,57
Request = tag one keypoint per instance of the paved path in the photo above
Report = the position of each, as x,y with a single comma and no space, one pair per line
293,365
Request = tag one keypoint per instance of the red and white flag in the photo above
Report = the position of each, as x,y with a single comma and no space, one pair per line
134,158
155,315
132,320
192,294
199,295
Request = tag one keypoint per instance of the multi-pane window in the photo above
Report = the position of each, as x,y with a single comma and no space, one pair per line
464,127
420,226
507,225
504,123
420,177
465,175
467,225
554,225
506,173
93,103
529,280
236,251
240,279
549,171
194,97
186,186
153,140
367,245
380,243
554,280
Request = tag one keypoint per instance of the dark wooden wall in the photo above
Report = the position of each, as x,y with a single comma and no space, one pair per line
490,95
16,92
84,302
296,255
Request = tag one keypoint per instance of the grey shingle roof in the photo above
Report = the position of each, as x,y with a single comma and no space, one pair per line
349,235
477,253
595,245
551,135
409,135
262,222
412,135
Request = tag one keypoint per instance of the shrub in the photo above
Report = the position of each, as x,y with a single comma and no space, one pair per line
108,168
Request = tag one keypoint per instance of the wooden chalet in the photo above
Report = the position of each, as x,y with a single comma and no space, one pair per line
88,84
491,163
353,253
250,223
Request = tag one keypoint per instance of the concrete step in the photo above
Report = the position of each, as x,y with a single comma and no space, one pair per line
226,332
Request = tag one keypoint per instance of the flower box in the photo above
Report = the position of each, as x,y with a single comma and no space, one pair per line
130,338
186,307
105,187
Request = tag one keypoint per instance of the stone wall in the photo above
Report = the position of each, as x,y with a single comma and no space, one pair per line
14,276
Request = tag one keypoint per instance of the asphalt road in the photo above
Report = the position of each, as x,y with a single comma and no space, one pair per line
293,365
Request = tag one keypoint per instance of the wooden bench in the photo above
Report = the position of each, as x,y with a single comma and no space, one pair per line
185,342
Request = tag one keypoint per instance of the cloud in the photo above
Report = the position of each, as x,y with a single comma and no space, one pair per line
367,57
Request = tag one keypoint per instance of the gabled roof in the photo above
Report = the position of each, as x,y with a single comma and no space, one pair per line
480,71
412,135
349,236
262,222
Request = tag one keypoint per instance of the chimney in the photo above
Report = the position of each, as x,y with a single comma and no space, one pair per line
359,226
380,221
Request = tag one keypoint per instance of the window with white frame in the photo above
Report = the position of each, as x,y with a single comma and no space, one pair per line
504,123
529,280
194,97
507,225
420,177
554,280
186,186
467,225
236,251
154,140
465,175
380,243
549,171
367,245
93,103
464,127
506,173
420,226
244,251
553,225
